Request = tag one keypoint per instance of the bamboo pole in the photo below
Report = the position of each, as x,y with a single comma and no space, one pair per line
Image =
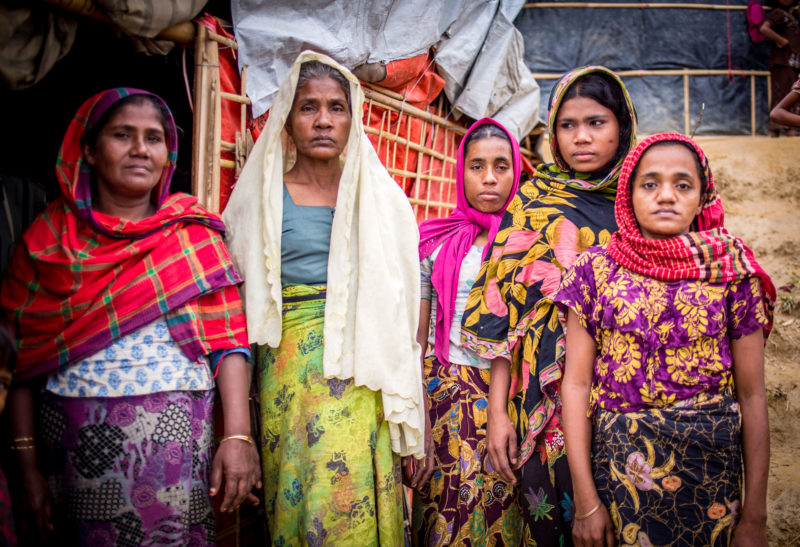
685,102
241,152
410,144
398,106
200,121
665,72
753,105
633,5
216,132
769,91
241,99
222,40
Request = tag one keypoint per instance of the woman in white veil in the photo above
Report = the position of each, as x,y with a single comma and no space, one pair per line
327,244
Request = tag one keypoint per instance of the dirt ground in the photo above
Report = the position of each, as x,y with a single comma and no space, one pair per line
759,181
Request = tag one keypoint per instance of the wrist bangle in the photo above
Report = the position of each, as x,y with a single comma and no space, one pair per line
246,438
590,513
21,439
25,447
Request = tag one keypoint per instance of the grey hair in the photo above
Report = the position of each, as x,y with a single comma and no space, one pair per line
311,70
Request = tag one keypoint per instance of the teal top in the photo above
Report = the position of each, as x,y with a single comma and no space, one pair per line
305,242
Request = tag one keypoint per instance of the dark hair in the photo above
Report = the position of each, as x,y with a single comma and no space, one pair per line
700,171
485,131
90,137
8,348
607,91
311,70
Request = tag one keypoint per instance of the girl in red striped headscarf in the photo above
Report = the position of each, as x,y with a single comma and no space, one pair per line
664,377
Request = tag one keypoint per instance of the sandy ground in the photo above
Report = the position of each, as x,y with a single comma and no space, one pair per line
759,181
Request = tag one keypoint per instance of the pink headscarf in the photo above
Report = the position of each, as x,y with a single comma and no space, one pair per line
456,233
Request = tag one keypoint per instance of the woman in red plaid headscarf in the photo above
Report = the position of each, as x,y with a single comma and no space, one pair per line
124,303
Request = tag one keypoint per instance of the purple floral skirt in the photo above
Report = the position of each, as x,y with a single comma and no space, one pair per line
130,470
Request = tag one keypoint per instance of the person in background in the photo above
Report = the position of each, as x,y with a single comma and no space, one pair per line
327,244
510,318
125,306
664,397
464,502
781,26
785,112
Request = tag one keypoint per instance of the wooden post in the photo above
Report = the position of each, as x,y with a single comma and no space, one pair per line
206,140
213,189
200,122
685,102
753,105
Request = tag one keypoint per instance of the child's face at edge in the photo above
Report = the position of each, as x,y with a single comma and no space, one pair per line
488,174
666,191
587,134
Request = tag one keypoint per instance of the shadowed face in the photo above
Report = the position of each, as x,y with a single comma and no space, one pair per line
666,191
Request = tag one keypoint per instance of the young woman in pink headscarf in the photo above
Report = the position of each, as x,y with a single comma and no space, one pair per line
461,499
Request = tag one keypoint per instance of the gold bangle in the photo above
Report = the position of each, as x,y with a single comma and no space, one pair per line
26,447
246,438
21,439
590,513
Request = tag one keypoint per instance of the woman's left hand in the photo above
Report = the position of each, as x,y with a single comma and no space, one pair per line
418,472
749,533
236,462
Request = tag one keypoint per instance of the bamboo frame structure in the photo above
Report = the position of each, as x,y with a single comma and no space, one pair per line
686,73
207,143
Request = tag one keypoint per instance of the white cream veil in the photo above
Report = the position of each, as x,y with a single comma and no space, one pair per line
373,292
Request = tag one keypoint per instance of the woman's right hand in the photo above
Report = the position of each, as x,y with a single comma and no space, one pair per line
37,506
594,531
502,444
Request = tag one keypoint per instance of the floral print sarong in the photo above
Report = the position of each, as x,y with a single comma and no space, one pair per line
330,476
465,502
130,471
671,476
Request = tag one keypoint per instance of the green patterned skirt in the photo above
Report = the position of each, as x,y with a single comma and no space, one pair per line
330,476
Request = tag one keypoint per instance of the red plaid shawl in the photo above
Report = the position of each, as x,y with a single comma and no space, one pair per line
81,279
709,254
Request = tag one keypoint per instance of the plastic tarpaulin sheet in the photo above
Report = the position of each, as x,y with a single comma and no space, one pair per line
560,39
478,51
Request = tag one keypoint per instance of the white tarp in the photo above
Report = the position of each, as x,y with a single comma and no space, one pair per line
478,51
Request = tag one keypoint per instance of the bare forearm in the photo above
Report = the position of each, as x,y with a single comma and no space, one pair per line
782,112
21,410
500,381
755,451
578,438
233,382
767,31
